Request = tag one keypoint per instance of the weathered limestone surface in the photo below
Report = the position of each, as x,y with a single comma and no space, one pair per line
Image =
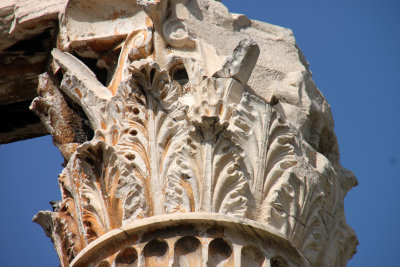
170,107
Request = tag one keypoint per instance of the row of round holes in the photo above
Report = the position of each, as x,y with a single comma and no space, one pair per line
218,249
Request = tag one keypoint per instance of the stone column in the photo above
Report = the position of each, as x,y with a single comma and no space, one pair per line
191,137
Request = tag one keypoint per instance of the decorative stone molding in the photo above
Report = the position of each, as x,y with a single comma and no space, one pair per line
170,107
191,239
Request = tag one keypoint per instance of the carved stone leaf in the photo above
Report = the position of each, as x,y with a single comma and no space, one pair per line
297,183
296,204
315,232
231,194
250,122
122,192
286,198
266,141
181,194
218,169
153,125
133,193
69,231
102,210
217,163
103,189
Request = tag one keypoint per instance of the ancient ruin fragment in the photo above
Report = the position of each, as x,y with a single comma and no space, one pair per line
191,136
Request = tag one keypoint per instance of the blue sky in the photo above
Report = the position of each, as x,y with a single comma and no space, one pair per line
354,52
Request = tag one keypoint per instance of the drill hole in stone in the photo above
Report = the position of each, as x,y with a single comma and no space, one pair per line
127,258
130,156
218,251
152,74
252,256
155,248
91,63
135,111
225,149
186,245
278,261
133,132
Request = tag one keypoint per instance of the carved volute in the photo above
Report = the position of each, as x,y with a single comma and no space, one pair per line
179,151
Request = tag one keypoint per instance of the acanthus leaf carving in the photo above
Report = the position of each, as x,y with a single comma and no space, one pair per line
158,121
220,170
101,193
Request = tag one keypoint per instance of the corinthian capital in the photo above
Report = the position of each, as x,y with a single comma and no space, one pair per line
191,137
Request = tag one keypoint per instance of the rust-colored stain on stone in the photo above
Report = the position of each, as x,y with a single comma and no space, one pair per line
101,46
78,92
128,45
103,125
115,137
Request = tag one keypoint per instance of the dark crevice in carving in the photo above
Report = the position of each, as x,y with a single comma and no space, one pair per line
152,74
91,63
195,10
57,77
155,248
274,101
109,61
127,257
95,159
168,10
179,74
